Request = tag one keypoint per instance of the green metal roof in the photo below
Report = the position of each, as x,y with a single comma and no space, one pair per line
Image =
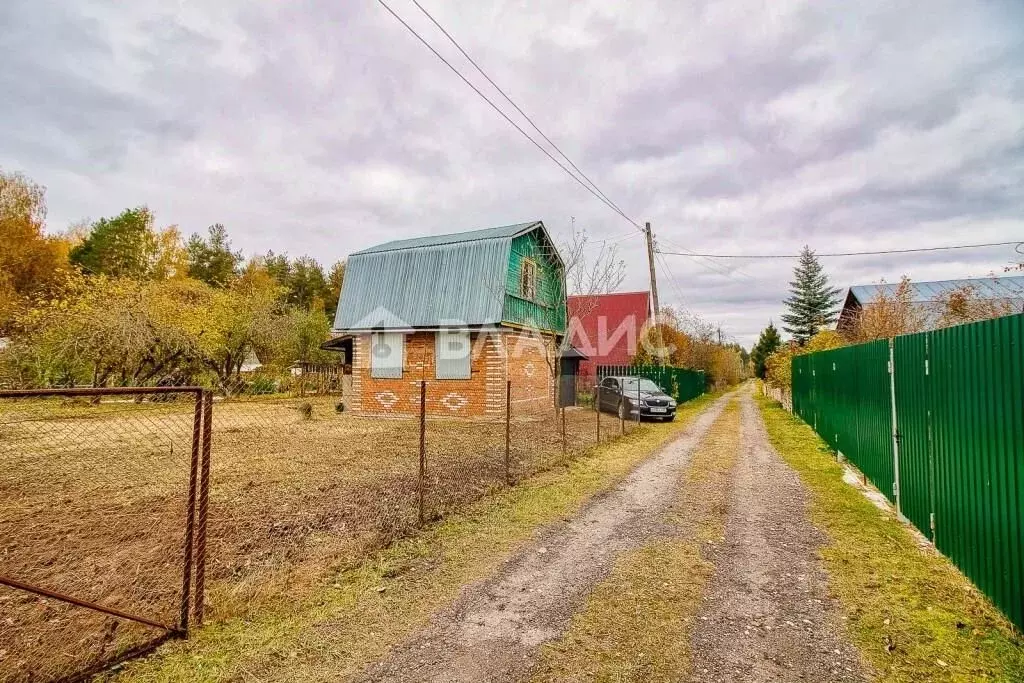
435,281
503,231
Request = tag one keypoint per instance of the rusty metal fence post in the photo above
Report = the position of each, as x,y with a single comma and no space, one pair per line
423,452
508,432
190,514
622,419
203,507
564,448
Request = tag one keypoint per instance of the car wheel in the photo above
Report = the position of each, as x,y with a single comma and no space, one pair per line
623,411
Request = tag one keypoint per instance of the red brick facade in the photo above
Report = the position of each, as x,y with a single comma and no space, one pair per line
497,356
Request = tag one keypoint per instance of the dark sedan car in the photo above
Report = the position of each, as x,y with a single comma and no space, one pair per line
623,395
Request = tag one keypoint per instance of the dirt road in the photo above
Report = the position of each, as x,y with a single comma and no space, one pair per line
765,616
491,633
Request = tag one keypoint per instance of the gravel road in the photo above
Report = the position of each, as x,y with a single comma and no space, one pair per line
493,630
767,615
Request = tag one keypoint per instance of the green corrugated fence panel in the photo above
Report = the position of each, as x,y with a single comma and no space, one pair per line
960,418
977,424
869,372
910,353
681,383
844,394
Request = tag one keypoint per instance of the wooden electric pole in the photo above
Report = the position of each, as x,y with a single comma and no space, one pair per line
654,289
650,265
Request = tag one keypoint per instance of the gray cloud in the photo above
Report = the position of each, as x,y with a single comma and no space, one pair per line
734,126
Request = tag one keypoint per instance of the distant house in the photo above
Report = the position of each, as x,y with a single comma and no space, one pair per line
607,327
466,312
1008,290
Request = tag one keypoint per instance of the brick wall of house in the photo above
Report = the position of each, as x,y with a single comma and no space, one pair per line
482,394
530,364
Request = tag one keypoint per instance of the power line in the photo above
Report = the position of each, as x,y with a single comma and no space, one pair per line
611,241
505,116
704,261
846,253
518,108
672,279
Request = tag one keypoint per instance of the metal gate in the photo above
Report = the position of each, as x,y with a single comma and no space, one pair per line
103,509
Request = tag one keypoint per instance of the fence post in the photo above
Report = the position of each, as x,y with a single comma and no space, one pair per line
895,432
190,515
508,432
564,447
204,502
597,410
637,401
423,451
622,423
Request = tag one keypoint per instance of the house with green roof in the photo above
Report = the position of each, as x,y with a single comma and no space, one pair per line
465,312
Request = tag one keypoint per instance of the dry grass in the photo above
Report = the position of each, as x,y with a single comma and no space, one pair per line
93,502
911,612
636,624
354,615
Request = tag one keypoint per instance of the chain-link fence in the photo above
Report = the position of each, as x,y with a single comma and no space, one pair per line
96,495
99,492
302,483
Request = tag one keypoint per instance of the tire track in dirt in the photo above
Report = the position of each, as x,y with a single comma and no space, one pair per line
493,630
767,615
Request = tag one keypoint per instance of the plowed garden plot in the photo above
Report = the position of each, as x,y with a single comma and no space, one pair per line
93,503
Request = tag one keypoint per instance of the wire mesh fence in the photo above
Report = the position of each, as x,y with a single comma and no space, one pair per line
96,494
97,522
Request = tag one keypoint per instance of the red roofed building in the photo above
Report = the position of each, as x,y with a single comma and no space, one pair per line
607,328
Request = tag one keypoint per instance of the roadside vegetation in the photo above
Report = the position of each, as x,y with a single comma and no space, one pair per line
636,624
913,615
354,616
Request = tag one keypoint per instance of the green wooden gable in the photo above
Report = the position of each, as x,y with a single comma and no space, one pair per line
511,275
545,309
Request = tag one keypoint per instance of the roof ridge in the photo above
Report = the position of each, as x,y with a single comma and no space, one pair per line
937,282
464,236
639,291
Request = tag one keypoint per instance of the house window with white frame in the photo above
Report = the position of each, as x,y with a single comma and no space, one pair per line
452,354
387,355
528,280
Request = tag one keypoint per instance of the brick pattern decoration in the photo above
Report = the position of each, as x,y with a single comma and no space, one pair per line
497,356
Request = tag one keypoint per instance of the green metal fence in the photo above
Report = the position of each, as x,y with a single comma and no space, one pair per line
680,383
955,468
844,395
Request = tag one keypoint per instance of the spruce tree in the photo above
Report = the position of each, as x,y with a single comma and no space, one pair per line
812,302
767,344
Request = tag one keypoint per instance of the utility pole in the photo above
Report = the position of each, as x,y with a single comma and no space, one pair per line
654,286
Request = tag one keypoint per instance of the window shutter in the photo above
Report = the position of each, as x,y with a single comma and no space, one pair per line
387,355
452,355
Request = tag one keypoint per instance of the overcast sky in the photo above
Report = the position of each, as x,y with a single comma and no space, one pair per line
324,127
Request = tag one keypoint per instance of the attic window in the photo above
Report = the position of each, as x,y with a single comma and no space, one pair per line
528,280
